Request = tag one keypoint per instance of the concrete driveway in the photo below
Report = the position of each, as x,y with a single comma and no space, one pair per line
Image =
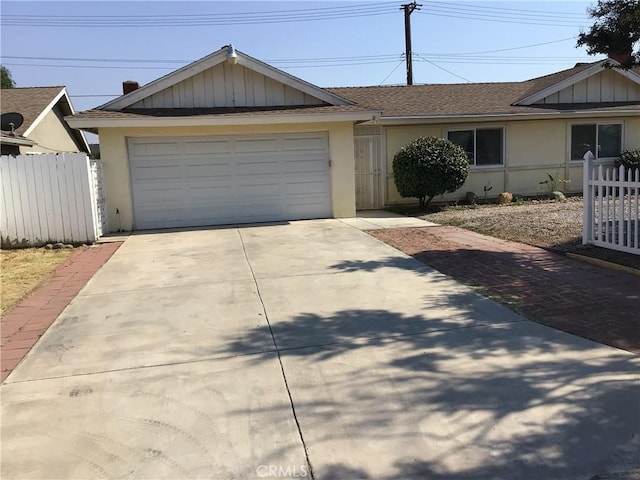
307,350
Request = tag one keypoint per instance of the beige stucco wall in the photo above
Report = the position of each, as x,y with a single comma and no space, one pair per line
51,134
113,153
532,148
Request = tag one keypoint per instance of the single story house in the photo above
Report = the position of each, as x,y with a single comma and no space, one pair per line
44,129
230,139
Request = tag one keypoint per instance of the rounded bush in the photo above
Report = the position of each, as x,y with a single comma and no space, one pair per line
428,167
629,158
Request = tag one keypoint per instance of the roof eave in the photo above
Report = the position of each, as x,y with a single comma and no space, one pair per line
494,117
92,123
17,141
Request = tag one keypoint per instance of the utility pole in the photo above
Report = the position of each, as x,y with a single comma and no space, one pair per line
408,10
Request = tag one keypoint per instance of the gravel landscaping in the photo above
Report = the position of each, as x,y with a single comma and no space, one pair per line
542,223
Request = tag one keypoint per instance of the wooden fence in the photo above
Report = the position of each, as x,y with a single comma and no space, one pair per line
50,198
611,207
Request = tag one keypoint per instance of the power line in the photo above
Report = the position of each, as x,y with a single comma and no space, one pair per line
435,8
203,19
499,19
516,48
391,73
389,56
444,69
485,7
199,15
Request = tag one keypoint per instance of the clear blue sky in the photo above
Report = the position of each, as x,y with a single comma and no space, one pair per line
363,50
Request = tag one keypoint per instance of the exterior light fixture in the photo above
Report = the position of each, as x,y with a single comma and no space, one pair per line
232,56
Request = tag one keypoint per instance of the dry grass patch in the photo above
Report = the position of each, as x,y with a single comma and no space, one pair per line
545,223
23,270
542,223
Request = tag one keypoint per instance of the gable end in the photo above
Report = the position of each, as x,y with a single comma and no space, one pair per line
597,84
227,85
241,82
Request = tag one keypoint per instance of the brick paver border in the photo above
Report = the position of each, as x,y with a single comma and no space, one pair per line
21,328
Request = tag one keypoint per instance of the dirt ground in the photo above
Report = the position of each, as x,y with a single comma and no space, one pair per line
542,223
23,270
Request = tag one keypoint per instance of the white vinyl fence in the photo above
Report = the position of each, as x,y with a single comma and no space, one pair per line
50,198
611,207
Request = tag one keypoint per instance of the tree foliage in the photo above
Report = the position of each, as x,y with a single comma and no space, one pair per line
616,29
428,167
6,79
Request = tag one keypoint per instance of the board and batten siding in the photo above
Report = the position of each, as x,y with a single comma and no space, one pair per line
607,86
47,198
227,85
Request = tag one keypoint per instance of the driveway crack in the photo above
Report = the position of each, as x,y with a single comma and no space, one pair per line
277,349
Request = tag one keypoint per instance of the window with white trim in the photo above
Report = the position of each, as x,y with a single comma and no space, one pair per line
484,146
603,140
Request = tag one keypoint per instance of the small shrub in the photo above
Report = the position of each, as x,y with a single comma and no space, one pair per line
550,185
629,158
428,167
504,197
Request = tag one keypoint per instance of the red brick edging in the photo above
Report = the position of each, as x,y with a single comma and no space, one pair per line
21,328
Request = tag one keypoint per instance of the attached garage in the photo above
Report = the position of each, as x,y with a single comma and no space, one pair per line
195,181
226,139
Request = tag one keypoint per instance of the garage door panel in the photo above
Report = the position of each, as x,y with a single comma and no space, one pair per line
168,218
259,146
157,174
304,167
304,188
216,170
211,197
258,168
300,144
181,182
155,149
212,147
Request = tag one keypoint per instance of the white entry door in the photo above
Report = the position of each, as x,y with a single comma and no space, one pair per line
197,181
370,174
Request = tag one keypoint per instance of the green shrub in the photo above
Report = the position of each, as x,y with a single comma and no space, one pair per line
629,158
428,167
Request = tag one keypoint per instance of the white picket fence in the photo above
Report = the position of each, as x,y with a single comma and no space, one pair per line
611,207
50,198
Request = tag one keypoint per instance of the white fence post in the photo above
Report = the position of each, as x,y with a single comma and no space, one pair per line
587,202
46,199
611,208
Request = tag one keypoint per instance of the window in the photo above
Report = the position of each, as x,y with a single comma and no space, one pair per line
603,140
484,146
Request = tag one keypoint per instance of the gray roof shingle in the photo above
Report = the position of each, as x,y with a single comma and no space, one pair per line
29,101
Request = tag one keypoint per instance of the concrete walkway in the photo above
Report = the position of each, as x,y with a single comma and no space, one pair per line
21,328
307,350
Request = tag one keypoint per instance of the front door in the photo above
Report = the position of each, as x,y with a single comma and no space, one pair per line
369,172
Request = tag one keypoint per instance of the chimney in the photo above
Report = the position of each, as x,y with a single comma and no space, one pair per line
624,58
129,86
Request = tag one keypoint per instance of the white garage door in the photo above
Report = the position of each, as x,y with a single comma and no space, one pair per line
194,181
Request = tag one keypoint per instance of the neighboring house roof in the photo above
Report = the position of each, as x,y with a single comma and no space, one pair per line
33,103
